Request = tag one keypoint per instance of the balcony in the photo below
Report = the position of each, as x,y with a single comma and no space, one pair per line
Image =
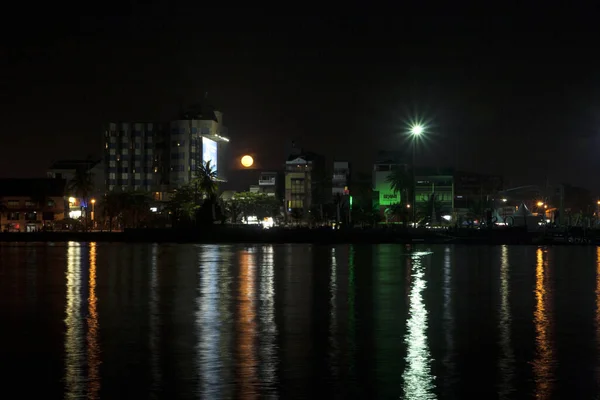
266,181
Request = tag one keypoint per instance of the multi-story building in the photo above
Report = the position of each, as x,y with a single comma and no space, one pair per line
304,182
270,183
384,195
471,188
436,184
340,181
158,157
29,205
131,156
198,137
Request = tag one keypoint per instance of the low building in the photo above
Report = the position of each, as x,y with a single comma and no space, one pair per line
435,185
29,205
68,170
270,183
340,181
470,188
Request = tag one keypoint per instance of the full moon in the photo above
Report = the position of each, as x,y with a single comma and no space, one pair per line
247,161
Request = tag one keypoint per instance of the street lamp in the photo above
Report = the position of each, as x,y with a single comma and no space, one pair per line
416,130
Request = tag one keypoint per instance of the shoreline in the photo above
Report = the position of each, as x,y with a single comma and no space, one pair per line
229,235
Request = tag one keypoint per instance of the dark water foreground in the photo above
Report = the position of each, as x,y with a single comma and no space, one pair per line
250,234
118,321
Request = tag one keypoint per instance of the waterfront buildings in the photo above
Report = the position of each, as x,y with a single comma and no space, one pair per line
158,157
271,183
29,205
384,196
304,182
435,186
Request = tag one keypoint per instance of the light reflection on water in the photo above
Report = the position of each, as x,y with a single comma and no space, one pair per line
506,360
449,358
418,380
74,336
154,323
246,325
257,321
208,324
93,323
598,310
543,364
268,364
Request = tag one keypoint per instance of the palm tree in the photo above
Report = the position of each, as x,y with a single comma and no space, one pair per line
401,182
82,186
111,207
206,183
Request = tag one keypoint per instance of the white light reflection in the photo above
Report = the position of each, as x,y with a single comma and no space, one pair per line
333,324
154,322
507,358
208,324
418,381
74,337
268,331
598,302
448,321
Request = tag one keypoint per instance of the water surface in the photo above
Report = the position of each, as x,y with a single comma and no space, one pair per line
116,321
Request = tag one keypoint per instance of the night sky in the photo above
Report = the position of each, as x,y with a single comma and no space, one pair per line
512,96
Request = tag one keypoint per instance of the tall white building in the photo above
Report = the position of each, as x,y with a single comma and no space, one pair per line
158,157
195,140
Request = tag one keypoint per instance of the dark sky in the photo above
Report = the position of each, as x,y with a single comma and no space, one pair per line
507,95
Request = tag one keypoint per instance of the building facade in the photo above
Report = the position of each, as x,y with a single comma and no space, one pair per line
434,192
29,205
383,194
131,156
340,181
472,189
68,170
158,157
270,183
304,182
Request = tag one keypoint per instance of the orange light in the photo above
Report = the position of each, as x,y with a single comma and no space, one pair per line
247,161
540,203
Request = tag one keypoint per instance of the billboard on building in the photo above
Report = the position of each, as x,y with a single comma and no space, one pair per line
388,197
209,152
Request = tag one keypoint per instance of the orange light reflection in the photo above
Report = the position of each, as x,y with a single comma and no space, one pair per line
93,349
247,326
543,368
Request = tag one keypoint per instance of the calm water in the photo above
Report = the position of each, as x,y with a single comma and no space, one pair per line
124,321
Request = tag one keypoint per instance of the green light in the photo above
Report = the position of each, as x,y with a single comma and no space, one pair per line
351,202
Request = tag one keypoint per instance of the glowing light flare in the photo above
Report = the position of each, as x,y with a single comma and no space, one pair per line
417,130
247,161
